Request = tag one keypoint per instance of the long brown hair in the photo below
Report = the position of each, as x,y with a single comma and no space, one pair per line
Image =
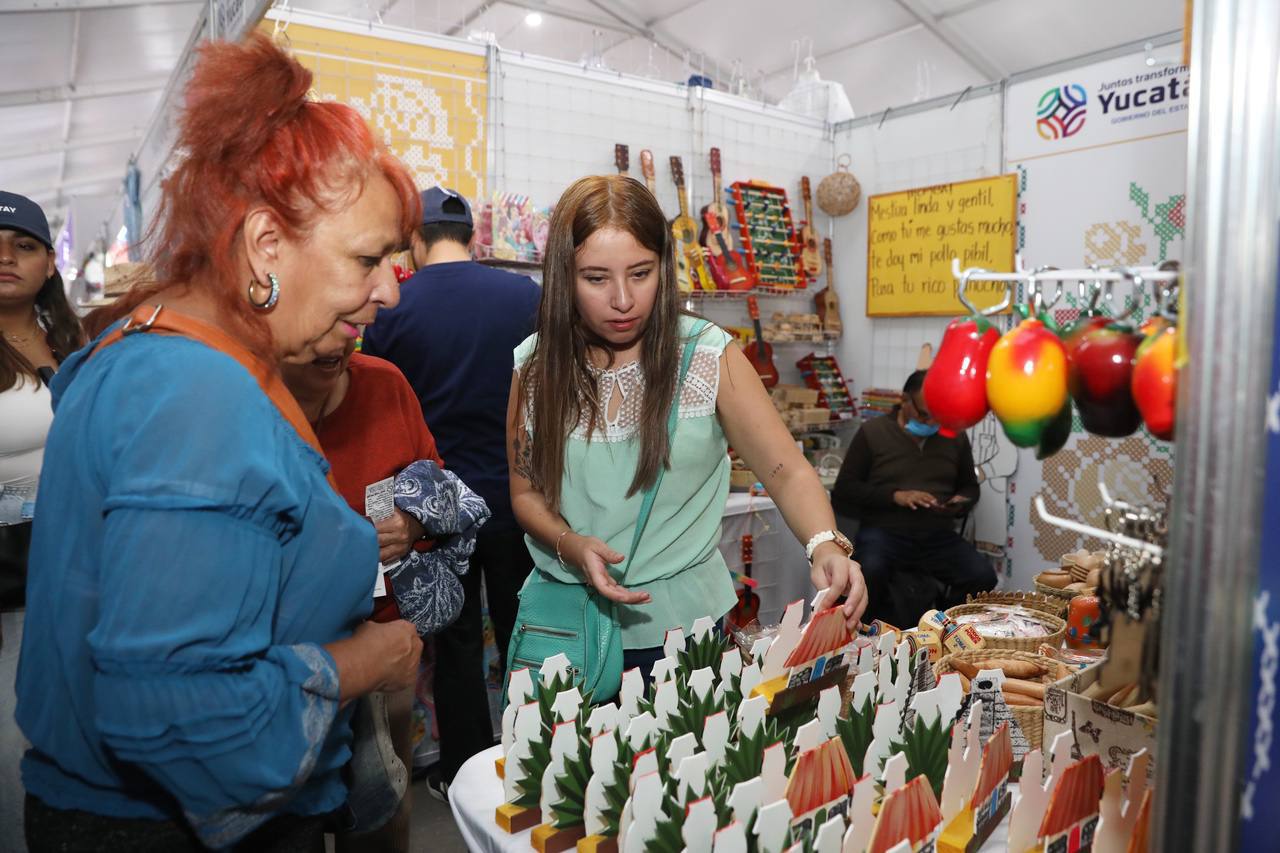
557,378
63,333
250,134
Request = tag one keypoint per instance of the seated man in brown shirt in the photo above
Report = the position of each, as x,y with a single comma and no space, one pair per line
907,485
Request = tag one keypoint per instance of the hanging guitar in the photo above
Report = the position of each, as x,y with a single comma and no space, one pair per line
747,610
692,273
759,352
622,158
728,269
719,224
646,168
826,301
810,256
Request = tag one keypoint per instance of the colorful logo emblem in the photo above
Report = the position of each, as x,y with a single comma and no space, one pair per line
1061,111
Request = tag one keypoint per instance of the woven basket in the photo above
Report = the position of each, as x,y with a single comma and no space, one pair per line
1056,624
1030,720
1065,594
839,192
1053,605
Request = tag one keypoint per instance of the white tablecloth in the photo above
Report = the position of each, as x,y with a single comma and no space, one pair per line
477,791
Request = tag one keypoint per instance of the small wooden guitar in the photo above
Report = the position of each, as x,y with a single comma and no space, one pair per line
748,607
728,269
646,168
810,255
694,275
622,158
826,300
759,352
719,224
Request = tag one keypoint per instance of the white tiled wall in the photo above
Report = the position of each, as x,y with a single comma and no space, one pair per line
554,122
896,343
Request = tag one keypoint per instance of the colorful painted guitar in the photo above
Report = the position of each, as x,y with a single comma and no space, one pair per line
622,158
719,225
728,269
810,255
691,272
759,352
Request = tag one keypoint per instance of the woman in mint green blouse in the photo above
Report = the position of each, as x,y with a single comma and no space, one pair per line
587,428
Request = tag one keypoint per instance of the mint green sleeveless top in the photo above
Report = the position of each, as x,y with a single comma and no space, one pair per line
677,561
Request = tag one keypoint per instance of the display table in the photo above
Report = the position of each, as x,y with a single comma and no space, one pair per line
779,563
477,791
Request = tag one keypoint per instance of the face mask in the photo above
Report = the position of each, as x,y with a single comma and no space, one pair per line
920,430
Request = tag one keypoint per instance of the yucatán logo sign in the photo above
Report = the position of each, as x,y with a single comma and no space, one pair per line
1061,111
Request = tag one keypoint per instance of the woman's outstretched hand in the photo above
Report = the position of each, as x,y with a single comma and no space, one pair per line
841,576
593,557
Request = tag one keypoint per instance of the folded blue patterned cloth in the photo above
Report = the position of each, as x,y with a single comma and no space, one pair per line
426,584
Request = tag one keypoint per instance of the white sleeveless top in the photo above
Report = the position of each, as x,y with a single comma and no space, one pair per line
27,413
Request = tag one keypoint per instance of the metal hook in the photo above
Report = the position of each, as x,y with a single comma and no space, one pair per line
1104,535
1135,278
964,282
1167,291
1036,293
973,309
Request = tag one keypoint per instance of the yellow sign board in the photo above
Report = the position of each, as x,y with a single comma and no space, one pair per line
913,235
427,104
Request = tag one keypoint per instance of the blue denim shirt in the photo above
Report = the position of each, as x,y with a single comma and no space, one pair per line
188,562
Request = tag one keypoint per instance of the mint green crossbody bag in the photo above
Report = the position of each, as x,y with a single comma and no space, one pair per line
572,618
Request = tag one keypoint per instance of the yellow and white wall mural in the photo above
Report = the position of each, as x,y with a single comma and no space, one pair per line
427,104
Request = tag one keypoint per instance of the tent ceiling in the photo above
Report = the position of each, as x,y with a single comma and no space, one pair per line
81,79
79,83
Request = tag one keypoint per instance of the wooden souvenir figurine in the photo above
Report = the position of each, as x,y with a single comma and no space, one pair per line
1118,814
604,752
821,657
563,792
990,800
1072,817
820,787
909,814
518,813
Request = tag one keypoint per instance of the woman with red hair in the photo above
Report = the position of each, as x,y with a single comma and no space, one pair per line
197,607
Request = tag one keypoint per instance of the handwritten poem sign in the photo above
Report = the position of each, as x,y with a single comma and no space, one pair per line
913,235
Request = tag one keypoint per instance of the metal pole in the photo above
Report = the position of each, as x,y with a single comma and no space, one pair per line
1207,649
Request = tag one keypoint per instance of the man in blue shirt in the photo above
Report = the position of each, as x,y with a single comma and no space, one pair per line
452,336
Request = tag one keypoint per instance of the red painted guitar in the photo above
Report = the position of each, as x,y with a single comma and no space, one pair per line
759,352
748,607
727,266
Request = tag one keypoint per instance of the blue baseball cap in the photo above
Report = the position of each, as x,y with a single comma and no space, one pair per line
445,205
19,213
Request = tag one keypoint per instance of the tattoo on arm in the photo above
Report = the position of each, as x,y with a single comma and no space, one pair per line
777,469
522,450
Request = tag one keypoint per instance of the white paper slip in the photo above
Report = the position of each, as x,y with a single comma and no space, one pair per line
380,586
380,499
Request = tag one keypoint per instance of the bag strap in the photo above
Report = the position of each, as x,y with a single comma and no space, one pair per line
165,321
673,418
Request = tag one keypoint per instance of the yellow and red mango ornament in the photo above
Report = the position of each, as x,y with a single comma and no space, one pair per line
1155,377
955,388
1027,386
